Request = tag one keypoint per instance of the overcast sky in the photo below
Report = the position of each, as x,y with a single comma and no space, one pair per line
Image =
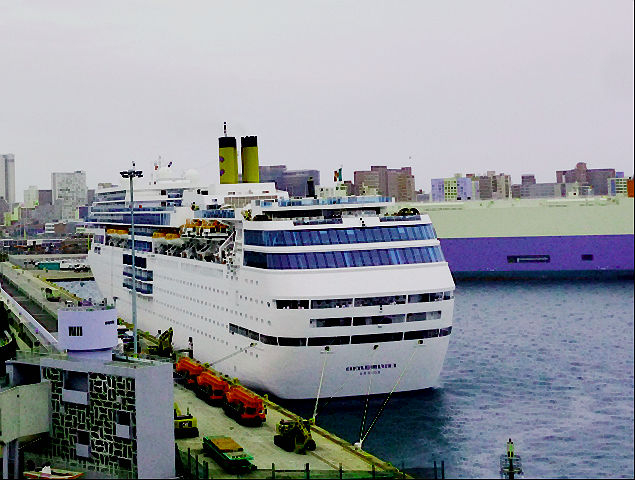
447,87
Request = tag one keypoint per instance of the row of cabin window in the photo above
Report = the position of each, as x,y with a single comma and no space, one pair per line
140,287
340,340
353,258
375,319
146,275
364,301
337,236
139,218
139,261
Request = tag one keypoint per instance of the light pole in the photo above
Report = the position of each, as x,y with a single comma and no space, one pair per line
131,174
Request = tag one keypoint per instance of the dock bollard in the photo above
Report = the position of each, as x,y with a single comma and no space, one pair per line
306,470
273,470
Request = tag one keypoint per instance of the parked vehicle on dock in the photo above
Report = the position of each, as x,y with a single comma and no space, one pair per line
228,454
212,388
188,369
244,406
185,426
294,436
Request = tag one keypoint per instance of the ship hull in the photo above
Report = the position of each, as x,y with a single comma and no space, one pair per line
203,300
575,255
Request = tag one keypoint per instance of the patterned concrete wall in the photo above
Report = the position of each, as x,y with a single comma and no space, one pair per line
109,396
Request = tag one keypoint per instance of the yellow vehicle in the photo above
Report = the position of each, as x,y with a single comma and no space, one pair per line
294,435
184,425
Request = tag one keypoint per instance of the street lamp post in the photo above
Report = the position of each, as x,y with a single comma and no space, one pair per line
131,174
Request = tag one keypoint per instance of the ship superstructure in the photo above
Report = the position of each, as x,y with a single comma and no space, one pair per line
289,295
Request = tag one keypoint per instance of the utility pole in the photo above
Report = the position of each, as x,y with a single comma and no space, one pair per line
131,174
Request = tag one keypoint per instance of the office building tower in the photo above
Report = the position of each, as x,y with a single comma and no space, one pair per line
7,177
69,192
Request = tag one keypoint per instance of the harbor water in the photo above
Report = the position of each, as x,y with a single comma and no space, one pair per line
547,363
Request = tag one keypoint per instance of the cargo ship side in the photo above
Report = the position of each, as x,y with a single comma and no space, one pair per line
581,237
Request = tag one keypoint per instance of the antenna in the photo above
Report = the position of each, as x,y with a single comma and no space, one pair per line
225,128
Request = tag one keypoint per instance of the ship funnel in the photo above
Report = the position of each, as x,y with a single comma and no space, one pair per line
227,160
249,159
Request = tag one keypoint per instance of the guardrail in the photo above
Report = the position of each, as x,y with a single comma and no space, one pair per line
27,319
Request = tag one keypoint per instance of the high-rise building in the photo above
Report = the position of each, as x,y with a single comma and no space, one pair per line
69,192
493,186
596,178
363,180
454,188
7,177
391,182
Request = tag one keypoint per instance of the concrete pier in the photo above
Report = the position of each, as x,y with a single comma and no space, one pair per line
331,453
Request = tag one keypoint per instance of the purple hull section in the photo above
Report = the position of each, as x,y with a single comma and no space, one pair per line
597,253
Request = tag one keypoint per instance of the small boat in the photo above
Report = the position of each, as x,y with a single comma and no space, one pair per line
56,473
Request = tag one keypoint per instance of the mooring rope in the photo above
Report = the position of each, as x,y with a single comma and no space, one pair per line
381,409
370,382
317,398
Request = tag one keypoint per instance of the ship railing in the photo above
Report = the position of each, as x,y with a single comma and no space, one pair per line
304,202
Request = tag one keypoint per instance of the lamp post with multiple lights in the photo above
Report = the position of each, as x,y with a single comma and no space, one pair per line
131,174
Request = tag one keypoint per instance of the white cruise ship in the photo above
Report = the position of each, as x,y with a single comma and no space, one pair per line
291,296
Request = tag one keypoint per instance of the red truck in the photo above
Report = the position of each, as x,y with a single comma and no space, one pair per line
212,388
189,369
244,407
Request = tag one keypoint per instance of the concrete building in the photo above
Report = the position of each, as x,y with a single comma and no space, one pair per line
7,177
45,197
620,185
493,186
102,414
363,180
390,182
31,197
596,178
292,181
69,192
454,188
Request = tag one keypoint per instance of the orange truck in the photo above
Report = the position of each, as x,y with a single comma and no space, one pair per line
244,407
189,369
211,388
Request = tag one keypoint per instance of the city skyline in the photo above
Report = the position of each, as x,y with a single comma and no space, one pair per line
515,88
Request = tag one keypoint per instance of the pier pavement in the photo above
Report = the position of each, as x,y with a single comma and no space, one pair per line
324,462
